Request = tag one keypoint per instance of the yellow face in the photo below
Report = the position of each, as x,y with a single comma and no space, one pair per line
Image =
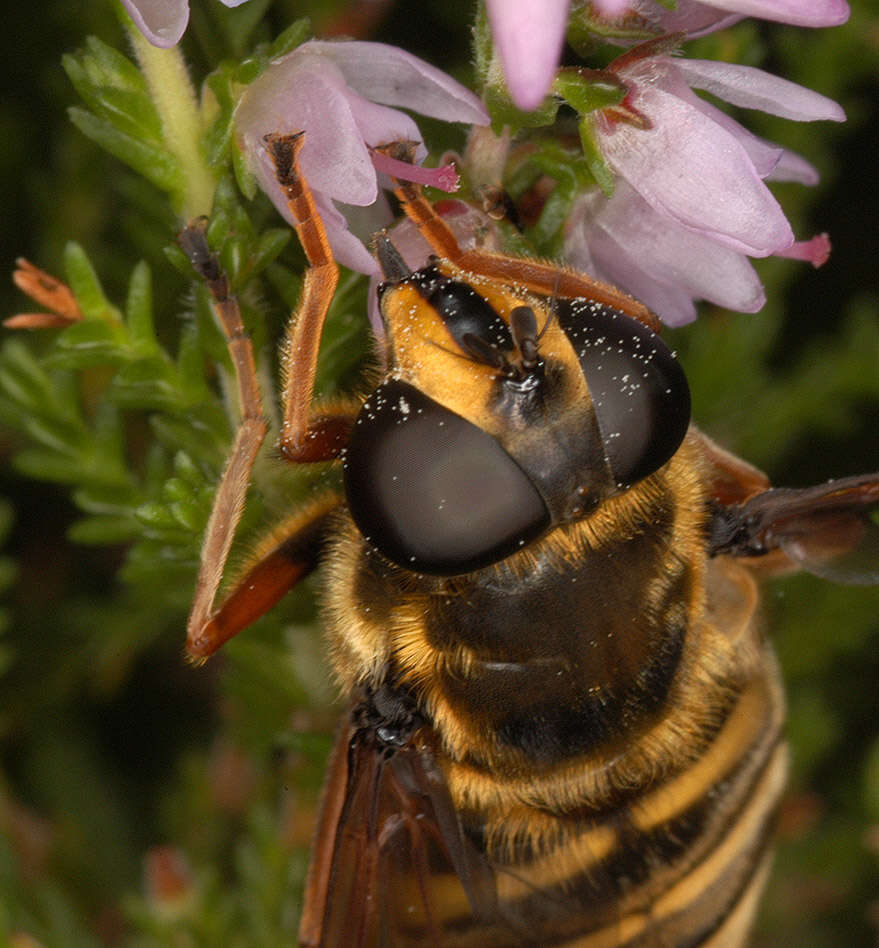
502,416
425,353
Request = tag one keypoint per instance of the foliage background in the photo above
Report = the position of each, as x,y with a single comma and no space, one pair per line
112,746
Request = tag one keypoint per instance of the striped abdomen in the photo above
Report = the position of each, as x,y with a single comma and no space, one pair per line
608,719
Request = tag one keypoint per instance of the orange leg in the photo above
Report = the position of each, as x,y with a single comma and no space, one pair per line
232,490
546,279
303,438
290,552
287,555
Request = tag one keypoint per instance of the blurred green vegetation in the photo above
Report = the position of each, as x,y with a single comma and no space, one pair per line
147,802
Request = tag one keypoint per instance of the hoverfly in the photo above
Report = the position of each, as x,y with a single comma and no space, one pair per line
565,724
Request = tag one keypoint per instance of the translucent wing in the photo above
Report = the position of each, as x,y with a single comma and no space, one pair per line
831,530
391,864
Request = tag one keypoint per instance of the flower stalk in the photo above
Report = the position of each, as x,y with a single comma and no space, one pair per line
174,97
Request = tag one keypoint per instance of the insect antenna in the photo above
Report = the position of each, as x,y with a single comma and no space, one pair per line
523,326
393,266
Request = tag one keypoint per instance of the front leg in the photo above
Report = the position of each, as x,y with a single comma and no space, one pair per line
289,552
305,438
232,489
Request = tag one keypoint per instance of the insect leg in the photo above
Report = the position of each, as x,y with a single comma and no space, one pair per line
541,277
231,492
321,437
289,553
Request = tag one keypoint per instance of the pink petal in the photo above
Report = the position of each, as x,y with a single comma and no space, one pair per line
611,8
528,35
764,155
797,12
694,19
607,260
674,255
380,125
307,93
753,88
793,167
162,22
691,169
392,76
233,3
347,249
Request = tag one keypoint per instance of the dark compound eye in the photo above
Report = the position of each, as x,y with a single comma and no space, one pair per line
638,388
433,492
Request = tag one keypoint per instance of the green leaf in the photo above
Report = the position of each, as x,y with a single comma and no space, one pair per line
594,158
218,141
189,514
47,466
178,259
86,286
91,342
187,471
572,173
244,177
587,90
156,516
191,434
23,379
269,245
504,113
547,232
152,161
295,35
148,383
108,67
114,499
191,367
139,310
61,435
114,89
104,530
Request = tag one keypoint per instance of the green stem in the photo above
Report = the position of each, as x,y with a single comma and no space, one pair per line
175,100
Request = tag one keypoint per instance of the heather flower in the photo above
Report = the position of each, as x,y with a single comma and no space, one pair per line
690,202
163,22
697,17
339,94
529,34
628,243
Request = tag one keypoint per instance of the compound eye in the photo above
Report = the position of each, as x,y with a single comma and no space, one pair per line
638,388
431,491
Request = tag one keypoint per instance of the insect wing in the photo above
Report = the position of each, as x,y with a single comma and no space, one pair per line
831,530
836,535
391,864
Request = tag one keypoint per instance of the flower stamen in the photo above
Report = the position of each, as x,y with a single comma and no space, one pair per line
815,251
446,177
